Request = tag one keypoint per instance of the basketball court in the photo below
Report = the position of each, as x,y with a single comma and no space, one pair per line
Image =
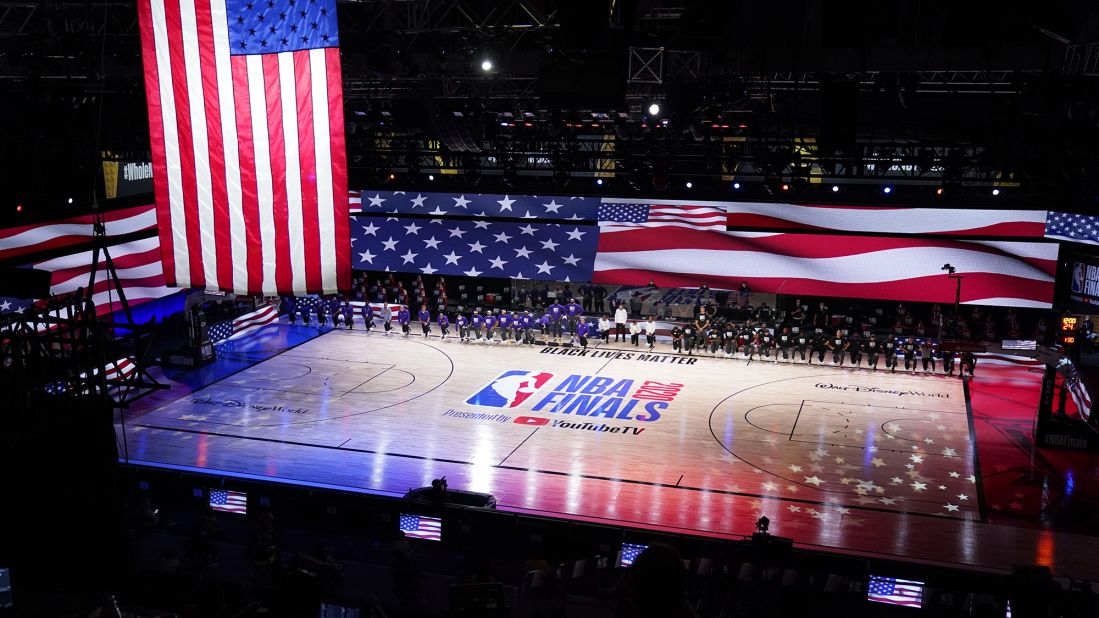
870,462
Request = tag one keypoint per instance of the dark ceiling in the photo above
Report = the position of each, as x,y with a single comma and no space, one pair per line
912,93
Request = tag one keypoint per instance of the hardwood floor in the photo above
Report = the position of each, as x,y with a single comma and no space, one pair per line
871,462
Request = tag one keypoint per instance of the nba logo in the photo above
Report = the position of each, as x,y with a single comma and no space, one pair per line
510,389
1078,278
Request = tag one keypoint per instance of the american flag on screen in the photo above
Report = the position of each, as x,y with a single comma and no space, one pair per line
630,553
253,320
531,250
1073,227
419,527
52,235
685,246
249,163
887,220
436,204
895,591
228,501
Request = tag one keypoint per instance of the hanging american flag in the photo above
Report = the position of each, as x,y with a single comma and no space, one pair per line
887,220
249,165
229,501
893,591
688,248
420,527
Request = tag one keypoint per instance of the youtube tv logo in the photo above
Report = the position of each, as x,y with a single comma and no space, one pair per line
531,420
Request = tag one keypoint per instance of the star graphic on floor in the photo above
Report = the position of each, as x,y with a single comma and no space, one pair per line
769,486
793,508
889,501
877,463
794,468
955,475
918,486
953,508
949,452
963,497
896,480
916,458
813,480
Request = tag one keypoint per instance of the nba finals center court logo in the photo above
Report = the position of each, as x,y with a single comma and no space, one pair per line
510,389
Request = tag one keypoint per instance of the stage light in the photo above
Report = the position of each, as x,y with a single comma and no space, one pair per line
995,192
392,176
785,187
690,185
599,181
835,188
486,65
736,185
654,110
939,191
70,200
431,177
887,190
18,208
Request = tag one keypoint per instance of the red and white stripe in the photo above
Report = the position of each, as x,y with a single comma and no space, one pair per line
253,320
1017,274
884,220
138,267
117,371
355,201
27,239
249,162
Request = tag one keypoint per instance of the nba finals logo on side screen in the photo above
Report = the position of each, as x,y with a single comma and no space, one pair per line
510,389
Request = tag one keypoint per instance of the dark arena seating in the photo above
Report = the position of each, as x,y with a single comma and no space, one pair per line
548,309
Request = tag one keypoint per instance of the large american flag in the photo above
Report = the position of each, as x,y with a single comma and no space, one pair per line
229,501
687,248
249,165
630,552
1073,227
895,591
887,220
421,527
475,248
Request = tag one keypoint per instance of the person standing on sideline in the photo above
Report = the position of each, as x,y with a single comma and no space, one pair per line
605,328
404,318
557,316
463,327
425,320
650,332
368,316
573,312
635,333
582,329
477,322
444,325
620,317
387,318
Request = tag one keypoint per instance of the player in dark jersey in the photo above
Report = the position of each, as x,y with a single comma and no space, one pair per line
785,342
677,338
909,350
890,351
804,343
854,346
689,338
872,350
927,355
838,345
948,362
368,316
729,337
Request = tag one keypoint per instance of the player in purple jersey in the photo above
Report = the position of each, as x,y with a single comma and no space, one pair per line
582,329
444,325
404,318
463,327
425,320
